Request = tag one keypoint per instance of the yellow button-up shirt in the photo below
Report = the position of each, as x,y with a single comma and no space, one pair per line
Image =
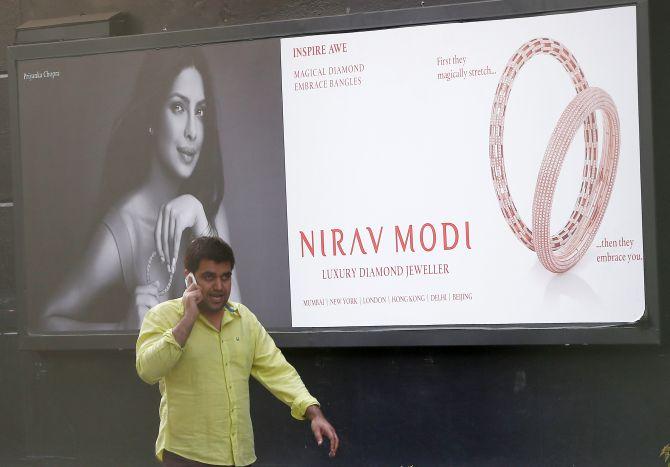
204,386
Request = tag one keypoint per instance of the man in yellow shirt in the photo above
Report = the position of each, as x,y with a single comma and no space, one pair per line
201,349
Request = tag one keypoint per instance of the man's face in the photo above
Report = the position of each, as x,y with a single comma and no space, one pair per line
214,280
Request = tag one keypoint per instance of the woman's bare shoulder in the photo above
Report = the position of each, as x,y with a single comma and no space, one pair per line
134,203
131,209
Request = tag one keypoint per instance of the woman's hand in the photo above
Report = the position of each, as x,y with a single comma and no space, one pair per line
145,298
174,217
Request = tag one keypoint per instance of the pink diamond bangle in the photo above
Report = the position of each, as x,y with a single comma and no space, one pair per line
496,129
561,251
555,256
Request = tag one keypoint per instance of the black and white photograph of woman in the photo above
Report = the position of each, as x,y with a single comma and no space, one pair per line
162,185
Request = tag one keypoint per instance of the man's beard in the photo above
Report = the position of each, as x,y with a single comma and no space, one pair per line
206,308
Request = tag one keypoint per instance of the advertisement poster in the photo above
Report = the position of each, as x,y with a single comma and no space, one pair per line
471,173
393,197
116,146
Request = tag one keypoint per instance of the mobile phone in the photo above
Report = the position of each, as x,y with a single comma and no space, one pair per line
189,279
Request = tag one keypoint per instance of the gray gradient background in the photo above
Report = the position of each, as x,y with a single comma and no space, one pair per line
65,129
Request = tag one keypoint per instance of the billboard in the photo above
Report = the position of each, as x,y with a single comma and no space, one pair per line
413,162
420,182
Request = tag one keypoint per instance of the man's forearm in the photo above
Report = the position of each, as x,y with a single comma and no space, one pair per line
183,329
157,352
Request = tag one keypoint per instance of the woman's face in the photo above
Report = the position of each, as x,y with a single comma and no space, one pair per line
181,127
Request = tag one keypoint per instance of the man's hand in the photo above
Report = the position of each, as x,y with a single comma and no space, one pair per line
192,296
321,427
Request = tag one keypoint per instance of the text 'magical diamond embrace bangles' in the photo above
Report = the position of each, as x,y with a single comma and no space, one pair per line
561,251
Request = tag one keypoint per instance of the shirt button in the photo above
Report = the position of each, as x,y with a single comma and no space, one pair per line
237,338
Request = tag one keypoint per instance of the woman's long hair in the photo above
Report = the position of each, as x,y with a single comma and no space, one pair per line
131,147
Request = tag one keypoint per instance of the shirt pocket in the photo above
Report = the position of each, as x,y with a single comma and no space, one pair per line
237,355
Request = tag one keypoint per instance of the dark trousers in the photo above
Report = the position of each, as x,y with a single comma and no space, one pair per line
170,459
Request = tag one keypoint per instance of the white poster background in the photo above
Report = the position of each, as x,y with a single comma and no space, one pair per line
402,147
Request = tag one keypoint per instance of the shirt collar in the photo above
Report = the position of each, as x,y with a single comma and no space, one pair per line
233,308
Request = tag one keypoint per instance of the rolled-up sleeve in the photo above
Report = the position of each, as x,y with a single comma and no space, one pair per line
272,370
156,351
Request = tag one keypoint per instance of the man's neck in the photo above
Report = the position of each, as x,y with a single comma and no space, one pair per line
214,317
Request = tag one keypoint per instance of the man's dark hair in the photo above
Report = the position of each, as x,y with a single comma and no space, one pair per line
213,248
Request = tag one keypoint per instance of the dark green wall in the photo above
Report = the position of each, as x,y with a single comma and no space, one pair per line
524,406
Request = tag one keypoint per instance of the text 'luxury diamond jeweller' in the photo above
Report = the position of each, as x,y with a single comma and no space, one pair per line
169,284
571,242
